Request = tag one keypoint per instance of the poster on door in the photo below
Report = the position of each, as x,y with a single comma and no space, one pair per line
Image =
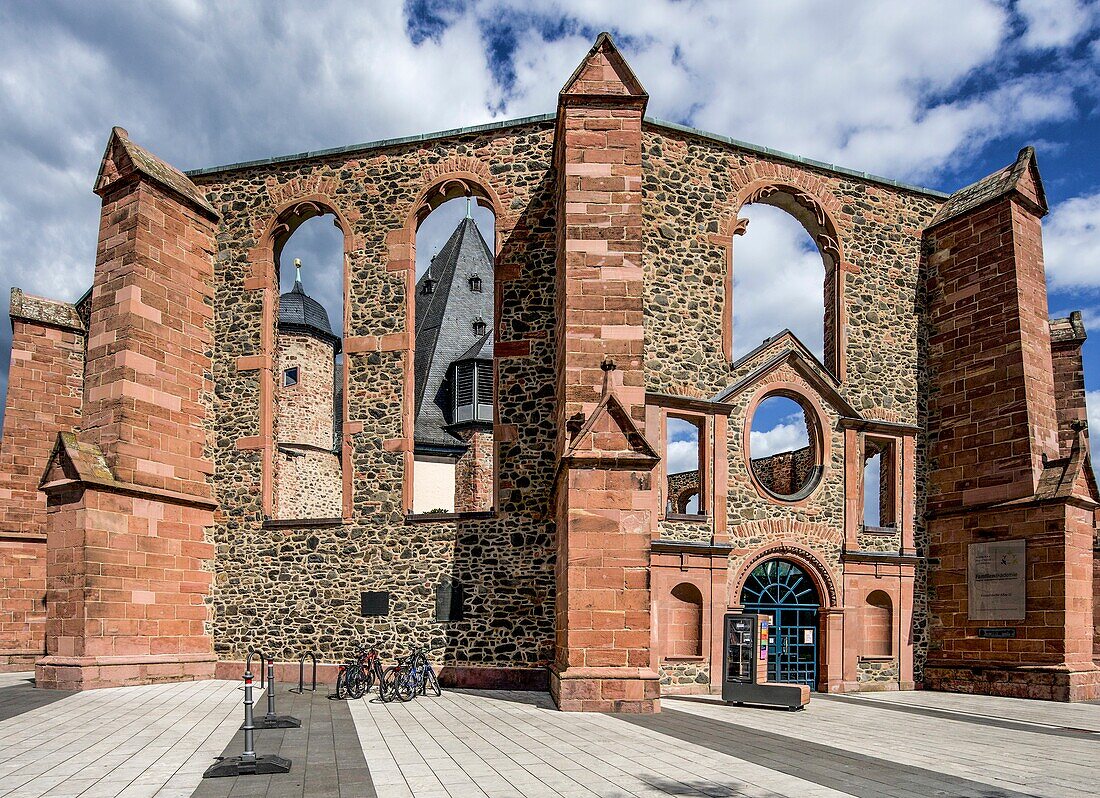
996,581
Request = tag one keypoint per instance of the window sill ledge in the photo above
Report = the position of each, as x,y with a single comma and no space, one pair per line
884,531
696,519
683,660
428,518
875,658
301,523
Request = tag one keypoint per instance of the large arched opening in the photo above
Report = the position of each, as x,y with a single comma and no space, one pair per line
785,591
452,396
785,273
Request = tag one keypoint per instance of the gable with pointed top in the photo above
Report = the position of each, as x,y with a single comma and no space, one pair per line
611,439
75,461
123,159
1021,178
603,72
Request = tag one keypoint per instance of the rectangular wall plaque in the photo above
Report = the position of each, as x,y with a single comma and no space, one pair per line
996,581
375,602
997,632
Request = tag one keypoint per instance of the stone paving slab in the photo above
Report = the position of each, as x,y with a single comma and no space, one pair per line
498,743
131,742
18,694
326,754
962,744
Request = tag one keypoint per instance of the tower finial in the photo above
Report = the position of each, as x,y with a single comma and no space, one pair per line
469,214
298,270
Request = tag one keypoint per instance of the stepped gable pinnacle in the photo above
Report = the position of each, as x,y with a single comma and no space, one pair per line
445,332
123,158
603,72
1021,177
298,311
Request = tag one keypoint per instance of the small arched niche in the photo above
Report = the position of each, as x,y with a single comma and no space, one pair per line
454,363
684,636
878,623
785,274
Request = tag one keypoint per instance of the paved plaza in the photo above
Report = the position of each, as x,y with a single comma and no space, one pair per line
157,741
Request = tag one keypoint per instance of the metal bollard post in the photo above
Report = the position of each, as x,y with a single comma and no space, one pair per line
272,720
248,764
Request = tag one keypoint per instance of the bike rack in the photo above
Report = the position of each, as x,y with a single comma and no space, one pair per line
248,764
302,673
272,720
263,662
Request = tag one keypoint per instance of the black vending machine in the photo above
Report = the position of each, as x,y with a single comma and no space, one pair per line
745,641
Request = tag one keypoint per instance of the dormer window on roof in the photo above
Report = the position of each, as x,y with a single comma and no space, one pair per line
475,283
473,391
479,326
427,286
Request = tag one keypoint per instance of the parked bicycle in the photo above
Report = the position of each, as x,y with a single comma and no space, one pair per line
360,674
415,676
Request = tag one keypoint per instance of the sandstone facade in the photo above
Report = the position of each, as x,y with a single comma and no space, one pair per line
613,295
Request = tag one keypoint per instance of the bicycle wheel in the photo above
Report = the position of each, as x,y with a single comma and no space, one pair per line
340,684
404,687
356,683
431,683
368,680
387,687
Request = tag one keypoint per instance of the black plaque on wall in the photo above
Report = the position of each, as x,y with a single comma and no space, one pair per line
739,648
997,632
376,602
449,604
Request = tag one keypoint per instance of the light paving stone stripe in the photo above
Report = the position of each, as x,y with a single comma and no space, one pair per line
134,742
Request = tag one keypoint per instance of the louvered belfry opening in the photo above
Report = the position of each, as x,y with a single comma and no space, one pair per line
454,367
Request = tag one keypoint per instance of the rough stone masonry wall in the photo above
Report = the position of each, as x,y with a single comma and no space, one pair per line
292,590
305,409
311,484
691,185
785,473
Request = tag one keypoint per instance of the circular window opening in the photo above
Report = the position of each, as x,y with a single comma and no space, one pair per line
784,447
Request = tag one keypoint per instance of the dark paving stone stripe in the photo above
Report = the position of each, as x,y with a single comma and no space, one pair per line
16,699
327,759
846,771
966,717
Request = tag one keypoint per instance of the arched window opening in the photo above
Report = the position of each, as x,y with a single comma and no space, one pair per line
878,625
309,254
684,466
453,454
784,447
783,278
685,622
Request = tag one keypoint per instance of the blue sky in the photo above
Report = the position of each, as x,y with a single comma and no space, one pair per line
939,92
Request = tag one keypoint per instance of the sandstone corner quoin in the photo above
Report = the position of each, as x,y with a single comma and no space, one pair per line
170,495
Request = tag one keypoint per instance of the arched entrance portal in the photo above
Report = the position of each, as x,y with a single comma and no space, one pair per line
783,590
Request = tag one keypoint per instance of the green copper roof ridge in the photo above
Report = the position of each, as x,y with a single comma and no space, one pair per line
538,118
786,156
373,145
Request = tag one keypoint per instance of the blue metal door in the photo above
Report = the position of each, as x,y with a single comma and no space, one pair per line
783,590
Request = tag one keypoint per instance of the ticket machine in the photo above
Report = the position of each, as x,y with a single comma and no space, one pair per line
745,640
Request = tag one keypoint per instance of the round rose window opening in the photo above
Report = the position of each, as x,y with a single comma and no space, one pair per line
785,447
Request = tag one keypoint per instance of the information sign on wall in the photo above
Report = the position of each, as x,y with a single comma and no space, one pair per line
996,581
